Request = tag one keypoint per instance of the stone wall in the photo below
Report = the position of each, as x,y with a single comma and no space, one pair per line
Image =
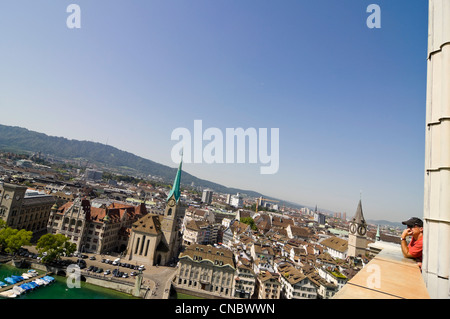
110,283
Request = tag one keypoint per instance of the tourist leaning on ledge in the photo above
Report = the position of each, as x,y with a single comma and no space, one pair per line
414,248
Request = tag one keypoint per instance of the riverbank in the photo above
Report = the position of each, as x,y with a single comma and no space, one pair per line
25,281
155,284
60,290
120,285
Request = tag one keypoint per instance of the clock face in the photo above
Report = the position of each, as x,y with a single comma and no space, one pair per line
362,230
171,202
352,228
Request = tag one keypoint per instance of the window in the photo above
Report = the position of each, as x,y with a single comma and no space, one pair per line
137,246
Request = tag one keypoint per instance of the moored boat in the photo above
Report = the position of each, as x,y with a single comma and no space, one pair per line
37,282
18,290
10,280
17,278
25,287
32,272
47,278
41,282
9,294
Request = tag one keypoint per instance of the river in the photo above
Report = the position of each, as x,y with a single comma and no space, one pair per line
60,290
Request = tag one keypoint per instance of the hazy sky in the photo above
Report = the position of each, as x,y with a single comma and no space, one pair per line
349,101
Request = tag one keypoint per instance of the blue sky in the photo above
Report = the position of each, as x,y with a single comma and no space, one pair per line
349,101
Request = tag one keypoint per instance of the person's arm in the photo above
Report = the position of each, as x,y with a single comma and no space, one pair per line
405,250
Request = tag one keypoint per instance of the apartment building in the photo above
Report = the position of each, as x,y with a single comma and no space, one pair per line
195,232
22,208
333,275
269,286
245,280
206,269
336,247
95,229
295,285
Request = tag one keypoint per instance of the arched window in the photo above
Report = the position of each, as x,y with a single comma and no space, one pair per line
169,212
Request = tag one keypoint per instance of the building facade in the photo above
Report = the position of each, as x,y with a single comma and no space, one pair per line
336,247
295,285
207,196
95,229
245,280
207,269
269,286
24,209
237,201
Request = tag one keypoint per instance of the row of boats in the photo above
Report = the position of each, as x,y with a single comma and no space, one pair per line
18,288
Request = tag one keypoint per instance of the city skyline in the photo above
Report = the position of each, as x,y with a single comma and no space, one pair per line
349,101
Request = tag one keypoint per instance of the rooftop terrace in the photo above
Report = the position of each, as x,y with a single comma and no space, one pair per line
388,275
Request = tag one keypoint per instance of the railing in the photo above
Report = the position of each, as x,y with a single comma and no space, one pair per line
388,275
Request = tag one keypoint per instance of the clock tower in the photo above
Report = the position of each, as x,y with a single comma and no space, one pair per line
357,235
11,200
170,223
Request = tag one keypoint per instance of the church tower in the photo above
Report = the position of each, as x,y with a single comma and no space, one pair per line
357,237
170,224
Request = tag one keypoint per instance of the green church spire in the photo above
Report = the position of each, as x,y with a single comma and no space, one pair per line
176,189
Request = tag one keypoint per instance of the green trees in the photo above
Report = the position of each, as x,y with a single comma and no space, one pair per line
12,239
52,247
249,221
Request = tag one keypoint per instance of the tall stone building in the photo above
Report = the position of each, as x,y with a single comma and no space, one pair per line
436,215
21,208
357,236
156,239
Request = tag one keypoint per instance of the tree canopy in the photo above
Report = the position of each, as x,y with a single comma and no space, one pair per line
52,247
12,239
249,221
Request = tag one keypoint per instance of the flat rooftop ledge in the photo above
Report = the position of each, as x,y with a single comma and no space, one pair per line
388,275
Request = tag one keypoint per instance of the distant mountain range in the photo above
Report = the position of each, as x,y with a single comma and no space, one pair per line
17,139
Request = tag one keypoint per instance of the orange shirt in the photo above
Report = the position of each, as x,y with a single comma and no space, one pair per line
415,248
